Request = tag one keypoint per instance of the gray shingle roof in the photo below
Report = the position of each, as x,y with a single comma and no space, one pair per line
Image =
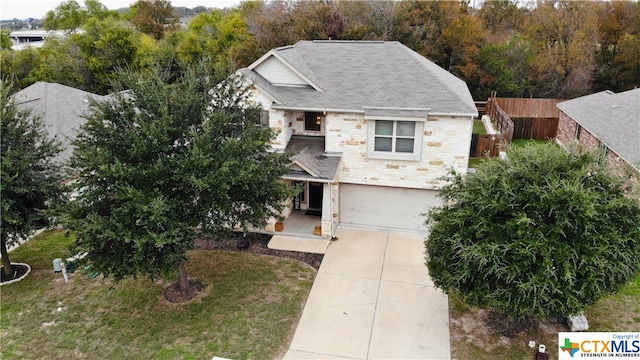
354,75
612,118
310,155
60,107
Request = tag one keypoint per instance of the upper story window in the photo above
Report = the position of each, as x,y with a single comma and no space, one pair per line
312,121
399,140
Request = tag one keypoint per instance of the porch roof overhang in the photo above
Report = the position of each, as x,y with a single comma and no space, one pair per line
311,162
304,177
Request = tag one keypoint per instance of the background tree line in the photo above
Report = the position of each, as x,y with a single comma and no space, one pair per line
556,49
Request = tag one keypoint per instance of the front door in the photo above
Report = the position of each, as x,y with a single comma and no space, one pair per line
315,196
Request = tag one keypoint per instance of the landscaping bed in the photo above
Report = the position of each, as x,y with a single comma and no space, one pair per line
256,244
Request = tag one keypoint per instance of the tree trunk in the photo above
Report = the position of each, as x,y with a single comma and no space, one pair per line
183,279
6,263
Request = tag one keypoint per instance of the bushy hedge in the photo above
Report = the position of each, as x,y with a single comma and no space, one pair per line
548,231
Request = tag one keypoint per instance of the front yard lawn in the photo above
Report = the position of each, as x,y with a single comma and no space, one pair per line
249,308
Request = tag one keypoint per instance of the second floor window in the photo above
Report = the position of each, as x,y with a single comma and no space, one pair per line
312,121
395,140
395,136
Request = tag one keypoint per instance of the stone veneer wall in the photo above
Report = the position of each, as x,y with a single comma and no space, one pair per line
288,123
445,145
281,122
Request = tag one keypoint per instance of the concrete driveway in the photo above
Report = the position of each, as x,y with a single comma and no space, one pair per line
372,299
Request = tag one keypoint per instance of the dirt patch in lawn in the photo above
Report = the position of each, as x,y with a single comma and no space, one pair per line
254,243
174,294
481,334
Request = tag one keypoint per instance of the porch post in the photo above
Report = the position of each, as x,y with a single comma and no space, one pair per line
327,211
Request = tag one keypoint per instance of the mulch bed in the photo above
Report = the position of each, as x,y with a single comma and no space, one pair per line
173,293
254,243
18,272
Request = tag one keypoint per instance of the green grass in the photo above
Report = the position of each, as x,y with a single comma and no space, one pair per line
516,143
478,127
471,338
618,312
475,162
248,310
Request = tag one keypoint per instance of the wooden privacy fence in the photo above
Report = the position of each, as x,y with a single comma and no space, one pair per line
531,118
504,124
483,145
515,119
535,128
481,106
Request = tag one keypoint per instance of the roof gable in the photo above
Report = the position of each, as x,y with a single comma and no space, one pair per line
277,73
280,72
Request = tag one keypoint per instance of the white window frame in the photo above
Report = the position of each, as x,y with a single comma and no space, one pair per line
393,155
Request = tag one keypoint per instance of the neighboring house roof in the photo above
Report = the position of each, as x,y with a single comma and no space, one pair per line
310,161
612,118
60,107
381,78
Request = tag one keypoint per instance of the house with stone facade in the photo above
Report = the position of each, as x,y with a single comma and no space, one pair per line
606,121
373,126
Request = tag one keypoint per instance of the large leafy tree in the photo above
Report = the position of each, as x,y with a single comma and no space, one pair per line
103,47
5,39
547,231
618,38
30,179
69,16
562,33
59,61
163,158
155,17
220,35
16,66
502,18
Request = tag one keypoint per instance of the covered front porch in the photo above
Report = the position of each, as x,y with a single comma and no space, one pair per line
299,232
299,224
312,212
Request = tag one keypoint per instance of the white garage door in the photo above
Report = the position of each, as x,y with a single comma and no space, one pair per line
385,206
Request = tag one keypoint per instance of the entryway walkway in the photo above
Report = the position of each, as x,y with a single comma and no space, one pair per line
315,245
373,299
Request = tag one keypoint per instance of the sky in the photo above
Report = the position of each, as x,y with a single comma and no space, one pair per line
23,9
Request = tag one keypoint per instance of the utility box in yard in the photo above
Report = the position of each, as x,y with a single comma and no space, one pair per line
56,265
